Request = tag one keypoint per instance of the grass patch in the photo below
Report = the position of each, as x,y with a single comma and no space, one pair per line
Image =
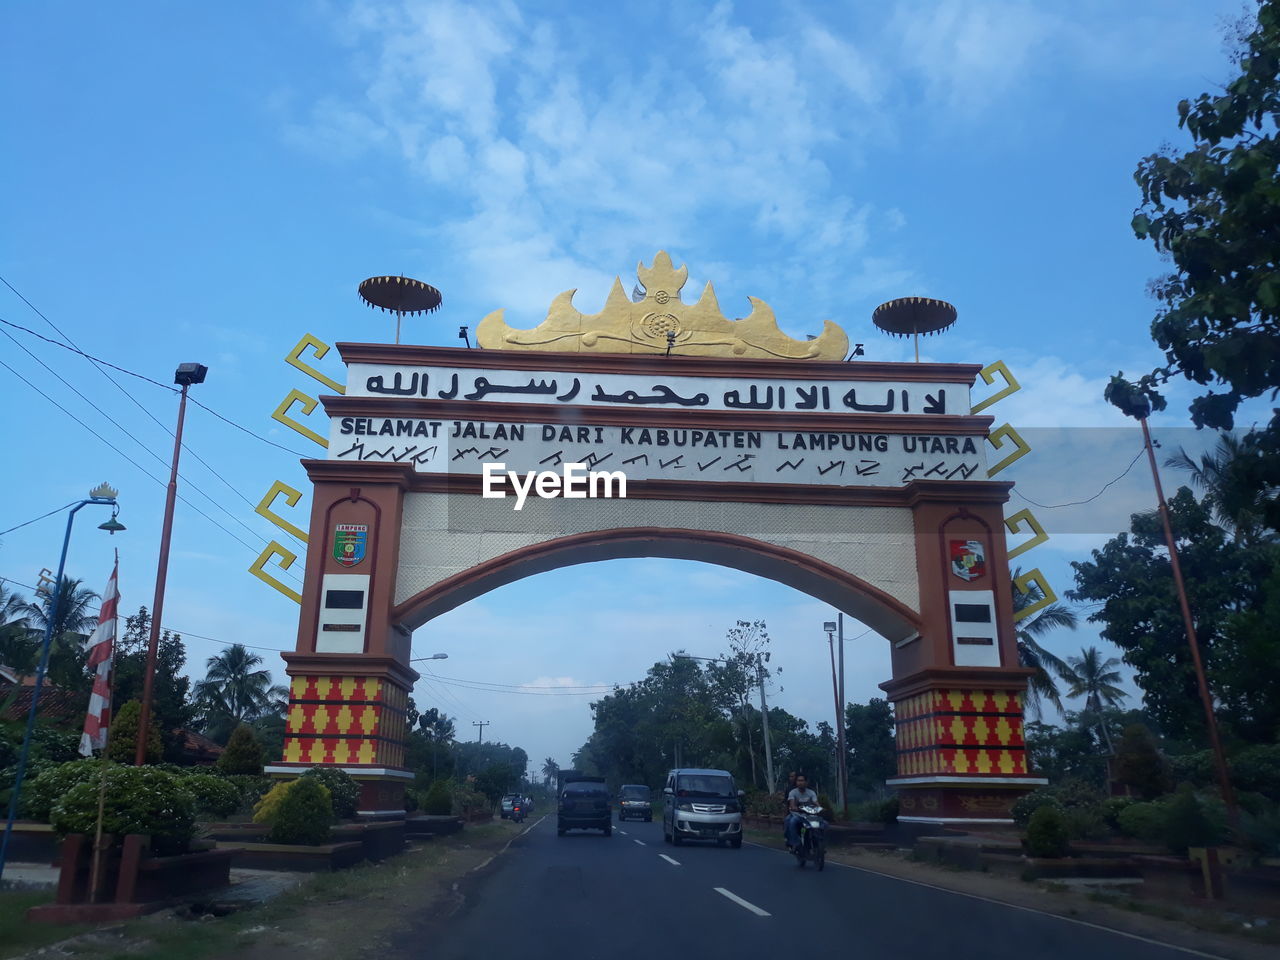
375,900
16,934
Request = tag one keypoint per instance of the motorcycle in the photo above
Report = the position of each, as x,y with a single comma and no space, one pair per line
517,813
813,836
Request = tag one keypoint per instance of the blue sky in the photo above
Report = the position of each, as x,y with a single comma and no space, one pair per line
209,182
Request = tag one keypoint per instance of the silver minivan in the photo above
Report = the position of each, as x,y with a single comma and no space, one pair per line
702,805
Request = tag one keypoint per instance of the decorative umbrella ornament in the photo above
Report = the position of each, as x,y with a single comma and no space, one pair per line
912,316
399,295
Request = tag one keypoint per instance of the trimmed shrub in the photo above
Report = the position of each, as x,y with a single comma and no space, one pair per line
251,788
1026,805
1188,823
40,793
137,800
343,790
123,747
243,754
1112,807
1047,832
1139,764
438,800
1257,769
212,795
303,814
1085,821
1144,821
264,811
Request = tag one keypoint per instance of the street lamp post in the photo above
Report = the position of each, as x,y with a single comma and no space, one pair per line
105,495
186,375
831,627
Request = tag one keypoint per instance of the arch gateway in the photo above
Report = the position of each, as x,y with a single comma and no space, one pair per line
863,484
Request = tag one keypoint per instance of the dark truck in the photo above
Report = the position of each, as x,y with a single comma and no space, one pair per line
583,804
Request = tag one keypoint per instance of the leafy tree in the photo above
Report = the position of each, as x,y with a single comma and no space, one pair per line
243,754
873,755
236,689
741,671
171,709
1233,590
1236,502
1042,684
122,746
1212,210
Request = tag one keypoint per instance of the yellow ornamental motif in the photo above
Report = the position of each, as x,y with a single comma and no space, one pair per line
982,760
365,754
348,687
1004,731
660,322
1001,700
980,730
957,730
343,719
1006,762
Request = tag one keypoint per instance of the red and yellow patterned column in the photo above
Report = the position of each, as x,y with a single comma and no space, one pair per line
345,720
961,754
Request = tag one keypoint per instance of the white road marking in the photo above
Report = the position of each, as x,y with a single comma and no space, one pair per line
743,903
1015,906
634,840
623,832
669,860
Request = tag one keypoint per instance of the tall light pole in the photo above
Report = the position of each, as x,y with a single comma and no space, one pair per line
1206,698
832,627
105,495
186,375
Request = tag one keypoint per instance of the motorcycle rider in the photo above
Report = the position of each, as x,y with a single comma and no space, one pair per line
799,795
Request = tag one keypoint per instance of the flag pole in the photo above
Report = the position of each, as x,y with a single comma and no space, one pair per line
95,879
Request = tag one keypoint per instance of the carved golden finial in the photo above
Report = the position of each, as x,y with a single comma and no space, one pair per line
104,491
660,321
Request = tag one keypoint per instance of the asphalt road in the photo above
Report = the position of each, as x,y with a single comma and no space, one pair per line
584,896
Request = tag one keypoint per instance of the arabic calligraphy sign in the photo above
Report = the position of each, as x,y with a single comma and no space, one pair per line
671,392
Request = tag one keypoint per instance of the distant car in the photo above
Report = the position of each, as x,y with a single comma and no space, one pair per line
584,805
634,803
508,801
702,805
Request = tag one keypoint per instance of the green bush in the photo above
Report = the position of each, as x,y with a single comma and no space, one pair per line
438,800
1143,821
1047,832
243,754
123,746
212,795
410,801
1112,807
887,811
264,811
1261,830
303,814
41,792
1026,805
343,790
1139,764
251,788
50,743
1257,769
1085,821
137,800
1188,822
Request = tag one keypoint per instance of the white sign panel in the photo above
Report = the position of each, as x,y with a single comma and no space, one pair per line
649,453
623,390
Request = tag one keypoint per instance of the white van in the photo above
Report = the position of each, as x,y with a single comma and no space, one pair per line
702,805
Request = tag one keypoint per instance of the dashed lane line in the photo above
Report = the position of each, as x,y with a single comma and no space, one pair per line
742,903
641,842
1015,906
674,863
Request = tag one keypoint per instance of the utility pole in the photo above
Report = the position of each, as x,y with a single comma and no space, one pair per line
844,753
481,724
835,695
764,716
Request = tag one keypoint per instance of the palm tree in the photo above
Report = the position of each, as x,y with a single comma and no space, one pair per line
1095,679
1041,685
236,689
69,623
18,641
550,770
1236,499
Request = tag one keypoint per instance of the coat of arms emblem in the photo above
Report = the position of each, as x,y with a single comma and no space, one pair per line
968,559
349,540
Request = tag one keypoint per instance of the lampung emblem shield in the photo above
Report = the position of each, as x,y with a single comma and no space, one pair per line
349,541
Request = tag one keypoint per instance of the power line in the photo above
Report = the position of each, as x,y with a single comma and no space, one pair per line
157,383
1076,503
122,429
144,470
41,517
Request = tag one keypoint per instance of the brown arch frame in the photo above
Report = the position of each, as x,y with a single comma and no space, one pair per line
877,609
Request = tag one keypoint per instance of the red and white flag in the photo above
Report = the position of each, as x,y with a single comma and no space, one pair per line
101,649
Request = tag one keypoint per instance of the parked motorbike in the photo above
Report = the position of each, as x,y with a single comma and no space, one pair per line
517,813
813,836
